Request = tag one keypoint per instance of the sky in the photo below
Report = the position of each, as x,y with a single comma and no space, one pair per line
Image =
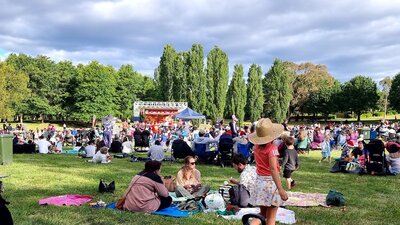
349,37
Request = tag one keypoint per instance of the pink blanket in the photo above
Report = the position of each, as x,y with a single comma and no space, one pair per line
66,200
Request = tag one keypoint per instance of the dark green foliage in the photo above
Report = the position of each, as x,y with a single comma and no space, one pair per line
255,95
278,91
394,94
359,95
236,95
166,73
217,77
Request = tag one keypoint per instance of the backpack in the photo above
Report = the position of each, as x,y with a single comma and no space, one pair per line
104,187
335,198
239,195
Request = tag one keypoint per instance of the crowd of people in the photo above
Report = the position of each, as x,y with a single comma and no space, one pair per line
271,146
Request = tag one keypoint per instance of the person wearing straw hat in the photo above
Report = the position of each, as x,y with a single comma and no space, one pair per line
268,192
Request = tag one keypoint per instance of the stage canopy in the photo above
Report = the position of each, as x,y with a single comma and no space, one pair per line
189,114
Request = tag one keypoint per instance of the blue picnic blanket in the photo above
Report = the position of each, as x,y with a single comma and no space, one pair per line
172,211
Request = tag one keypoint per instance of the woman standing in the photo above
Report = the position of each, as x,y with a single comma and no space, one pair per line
188,180
268,192
146,192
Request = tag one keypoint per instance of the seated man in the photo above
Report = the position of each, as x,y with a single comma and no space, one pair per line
207,155
44,145
247,172
181,149
156,152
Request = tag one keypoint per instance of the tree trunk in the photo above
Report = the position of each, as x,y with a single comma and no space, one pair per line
384,115
42,117
358,116
21,118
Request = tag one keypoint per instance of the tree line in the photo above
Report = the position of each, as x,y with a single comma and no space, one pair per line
38,87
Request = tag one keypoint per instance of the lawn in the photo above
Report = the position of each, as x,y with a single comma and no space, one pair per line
370,199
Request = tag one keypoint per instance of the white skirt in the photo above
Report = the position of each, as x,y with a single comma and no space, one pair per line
265,192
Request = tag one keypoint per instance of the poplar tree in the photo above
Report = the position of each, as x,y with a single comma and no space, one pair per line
217,82
236,95
255,95
165,78
179,80
278,91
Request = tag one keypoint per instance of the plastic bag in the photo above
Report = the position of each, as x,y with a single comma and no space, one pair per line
215,201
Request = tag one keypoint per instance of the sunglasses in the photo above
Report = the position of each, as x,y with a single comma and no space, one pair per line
193,163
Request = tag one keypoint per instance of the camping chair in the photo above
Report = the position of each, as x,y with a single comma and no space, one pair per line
376,160
244,149
202,153
225,149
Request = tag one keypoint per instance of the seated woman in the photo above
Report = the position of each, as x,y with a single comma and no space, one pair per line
303,142
318,139
102,156
146,192
188,183
393,159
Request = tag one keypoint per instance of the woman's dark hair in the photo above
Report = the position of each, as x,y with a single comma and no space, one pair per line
151,166
157,142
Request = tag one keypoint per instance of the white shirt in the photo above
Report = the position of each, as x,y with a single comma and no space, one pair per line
90,150
248,177
156,152
43,146
127,147
100,158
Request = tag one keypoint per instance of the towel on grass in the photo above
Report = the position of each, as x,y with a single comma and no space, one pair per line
305,199
173,211
284,216
66,200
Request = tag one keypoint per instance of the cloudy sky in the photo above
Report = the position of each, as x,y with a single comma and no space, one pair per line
349,37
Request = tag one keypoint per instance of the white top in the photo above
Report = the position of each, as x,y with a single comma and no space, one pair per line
43,146
59,145
127,147
156,152
90,150
100,158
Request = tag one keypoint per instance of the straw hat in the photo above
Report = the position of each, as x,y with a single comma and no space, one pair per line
266,131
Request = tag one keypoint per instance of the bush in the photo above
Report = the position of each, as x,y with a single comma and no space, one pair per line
378,114
366,115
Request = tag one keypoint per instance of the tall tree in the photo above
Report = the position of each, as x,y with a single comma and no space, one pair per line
66,71
278,91
394,96
255,94
385,83
359,95
179,79
13,90
308,79
236,96
128,84
218,76
196,79
94,91
166,73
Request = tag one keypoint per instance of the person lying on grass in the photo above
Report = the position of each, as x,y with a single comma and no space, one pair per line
146,192
188,181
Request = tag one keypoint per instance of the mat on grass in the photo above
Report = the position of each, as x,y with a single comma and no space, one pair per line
284,216
301,199
173,211
66,200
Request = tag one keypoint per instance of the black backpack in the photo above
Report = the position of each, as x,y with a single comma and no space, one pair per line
239,195
104,187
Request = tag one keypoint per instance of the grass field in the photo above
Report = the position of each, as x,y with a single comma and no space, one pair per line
370,199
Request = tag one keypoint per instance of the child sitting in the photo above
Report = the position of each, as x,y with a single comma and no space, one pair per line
290,162
102,156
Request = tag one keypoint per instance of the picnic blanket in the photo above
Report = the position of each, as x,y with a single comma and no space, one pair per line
66,200
284,216
305,199
173,211
177,199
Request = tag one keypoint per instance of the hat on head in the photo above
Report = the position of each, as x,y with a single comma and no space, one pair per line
266,131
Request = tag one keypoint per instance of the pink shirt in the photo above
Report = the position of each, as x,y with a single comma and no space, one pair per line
262,156
142,194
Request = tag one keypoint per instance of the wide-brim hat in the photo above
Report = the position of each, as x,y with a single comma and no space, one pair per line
266,131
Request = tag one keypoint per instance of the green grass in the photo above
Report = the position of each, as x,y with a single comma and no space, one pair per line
370,199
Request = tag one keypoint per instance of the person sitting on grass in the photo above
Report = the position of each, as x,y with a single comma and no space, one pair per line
393,159
290,162
188,180
102,156
247,172
156,152
90,150
146,192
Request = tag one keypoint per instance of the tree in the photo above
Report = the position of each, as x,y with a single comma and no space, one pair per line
195,78
129,82
394,96
13,90
385,83
324,100
179,90
236,96
278,93
217,81
308,79
94,91
359,95
66,71
166,73
255,95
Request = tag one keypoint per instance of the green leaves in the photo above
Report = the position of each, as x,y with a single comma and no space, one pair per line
255,96
394,94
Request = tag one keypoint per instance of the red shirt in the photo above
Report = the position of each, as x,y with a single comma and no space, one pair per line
262,156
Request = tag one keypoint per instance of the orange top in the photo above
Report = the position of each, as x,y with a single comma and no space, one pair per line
262,156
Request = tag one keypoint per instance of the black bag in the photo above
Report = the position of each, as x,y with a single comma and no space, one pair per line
335,198
239,195
104,187
5,214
